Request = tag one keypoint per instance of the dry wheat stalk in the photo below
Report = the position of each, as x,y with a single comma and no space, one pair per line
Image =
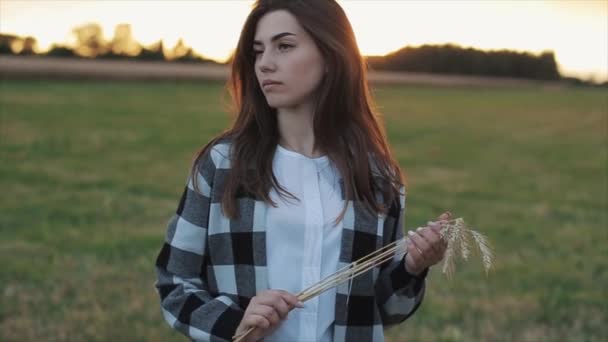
454,231
458,236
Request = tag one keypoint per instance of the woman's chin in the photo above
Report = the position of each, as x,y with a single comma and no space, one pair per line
276,103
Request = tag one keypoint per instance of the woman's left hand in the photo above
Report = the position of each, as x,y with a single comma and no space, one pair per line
425,247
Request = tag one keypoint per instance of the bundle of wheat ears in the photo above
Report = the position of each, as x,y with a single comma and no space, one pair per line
455,231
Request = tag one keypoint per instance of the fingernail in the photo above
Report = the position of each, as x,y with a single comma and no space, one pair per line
411,233
300,304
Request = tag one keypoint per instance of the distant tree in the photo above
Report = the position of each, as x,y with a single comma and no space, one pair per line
29,46
179,50
548,66
57,50
18,45
123,43
192,57
89,40
189,56
183,53
452,59
6,41
154,52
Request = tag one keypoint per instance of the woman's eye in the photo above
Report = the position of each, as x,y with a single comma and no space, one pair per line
284,46
281,48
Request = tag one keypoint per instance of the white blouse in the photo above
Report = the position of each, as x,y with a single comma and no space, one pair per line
302,242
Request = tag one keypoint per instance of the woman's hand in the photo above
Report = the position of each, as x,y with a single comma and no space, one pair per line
265,312
425,246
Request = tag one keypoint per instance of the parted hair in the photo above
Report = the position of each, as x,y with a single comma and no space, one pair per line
347,127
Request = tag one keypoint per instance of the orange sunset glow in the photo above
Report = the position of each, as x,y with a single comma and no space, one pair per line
577,31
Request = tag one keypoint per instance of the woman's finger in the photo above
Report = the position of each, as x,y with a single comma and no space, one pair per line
433,239
437,227
282,308
415,253
290,299
268,312
258,321
445,216
419,241
271,298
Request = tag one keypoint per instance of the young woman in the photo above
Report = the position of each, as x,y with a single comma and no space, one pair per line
300,185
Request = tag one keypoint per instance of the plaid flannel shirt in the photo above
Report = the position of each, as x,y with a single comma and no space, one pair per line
210,267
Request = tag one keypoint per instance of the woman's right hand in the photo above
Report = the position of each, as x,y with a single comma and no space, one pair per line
265,312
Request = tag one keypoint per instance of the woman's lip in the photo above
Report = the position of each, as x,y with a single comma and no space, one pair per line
272,84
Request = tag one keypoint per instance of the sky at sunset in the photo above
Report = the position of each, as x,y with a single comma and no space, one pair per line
577,31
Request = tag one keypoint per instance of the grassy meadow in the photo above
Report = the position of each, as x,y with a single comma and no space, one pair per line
92,171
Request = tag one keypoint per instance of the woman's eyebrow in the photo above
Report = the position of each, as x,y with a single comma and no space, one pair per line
275,37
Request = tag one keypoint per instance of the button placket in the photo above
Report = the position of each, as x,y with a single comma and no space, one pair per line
313,245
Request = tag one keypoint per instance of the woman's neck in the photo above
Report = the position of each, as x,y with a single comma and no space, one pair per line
296,132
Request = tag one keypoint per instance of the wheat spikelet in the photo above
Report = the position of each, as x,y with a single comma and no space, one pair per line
458,230
447,233
458,236
465,243
484,249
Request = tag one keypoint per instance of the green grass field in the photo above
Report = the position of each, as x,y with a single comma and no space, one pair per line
92,171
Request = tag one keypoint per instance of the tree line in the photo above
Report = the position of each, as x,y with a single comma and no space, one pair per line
90,43
453,59
441,59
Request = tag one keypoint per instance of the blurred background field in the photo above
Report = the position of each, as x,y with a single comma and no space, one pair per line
92,171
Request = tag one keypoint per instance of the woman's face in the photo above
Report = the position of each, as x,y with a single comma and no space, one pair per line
285,53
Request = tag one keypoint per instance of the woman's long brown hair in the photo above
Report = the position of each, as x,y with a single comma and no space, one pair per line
347,128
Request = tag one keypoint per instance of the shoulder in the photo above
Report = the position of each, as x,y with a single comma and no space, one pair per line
216,156
220,152
210,163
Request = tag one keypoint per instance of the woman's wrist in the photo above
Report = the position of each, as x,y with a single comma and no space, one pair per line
411,271
415,272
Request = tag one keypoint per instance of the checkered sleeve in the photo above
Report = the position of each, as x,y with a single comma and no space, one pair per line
399,293
186,303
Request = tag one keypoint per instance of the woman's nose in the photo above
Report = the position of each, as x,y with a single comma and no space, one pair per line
266,62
